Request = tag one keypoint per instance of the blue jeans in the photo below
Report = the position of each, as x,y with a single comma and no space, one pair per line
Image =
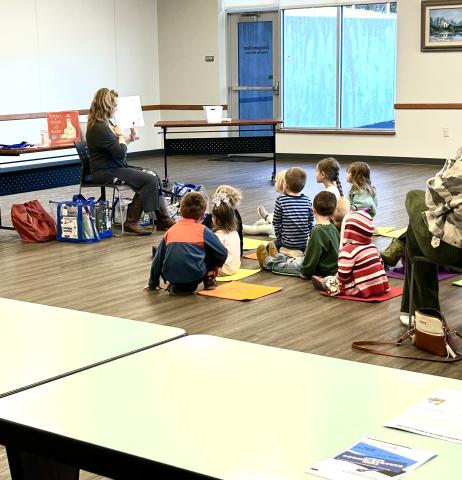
283,265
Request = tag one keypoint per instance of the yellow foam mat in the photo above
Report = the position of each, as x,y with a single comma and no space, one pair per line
241,273
252,244
383,230
395,233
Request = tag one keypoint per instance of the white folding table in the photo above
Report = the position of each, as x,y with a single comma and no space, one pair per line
205,406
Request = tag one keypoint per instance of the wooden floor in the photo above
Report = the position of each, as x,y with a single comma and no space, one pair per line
108,277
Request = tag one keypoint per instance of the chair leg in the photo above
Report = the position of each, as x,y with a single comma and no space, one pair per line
114,190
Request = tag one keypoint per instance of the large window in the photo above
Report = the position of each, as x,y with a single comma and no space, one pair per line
340,66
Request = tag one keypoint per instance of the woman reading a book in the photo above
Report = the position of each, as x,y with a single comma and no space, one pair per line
107,146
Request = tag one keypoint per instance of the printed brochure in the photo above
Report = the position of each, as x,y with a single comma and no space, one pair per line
371,459
438,416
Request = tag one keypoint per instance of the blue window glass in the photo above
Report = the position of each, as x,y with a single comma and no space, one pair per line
310,67
340,66
368,67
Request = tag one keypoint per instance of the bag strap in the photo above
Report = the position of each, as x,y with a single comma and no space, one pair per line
362,345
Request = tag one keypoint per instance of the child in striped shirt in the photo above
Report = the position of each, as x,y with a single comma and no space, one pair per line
360,268
293,215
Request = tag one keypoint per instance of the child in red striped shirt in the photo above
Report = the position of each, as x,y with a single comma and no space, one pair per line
360,268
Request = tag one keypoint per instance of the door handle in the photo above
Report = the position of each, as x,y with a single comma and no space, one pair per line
276,87
235,88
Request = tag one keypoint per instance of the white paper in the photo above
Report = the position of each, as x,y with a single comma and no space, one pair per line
372,460
439,416
129,112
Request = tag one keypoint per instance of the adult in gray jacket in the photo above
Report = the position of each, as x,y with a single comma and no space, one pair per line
107,146
435,232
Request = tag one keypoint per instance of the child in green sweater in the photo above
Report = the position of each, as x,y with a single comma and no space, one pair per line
321,253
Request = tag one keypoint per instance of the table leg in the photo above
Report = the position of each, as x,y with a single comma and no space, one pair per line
165,181
28,466
3,227
273,176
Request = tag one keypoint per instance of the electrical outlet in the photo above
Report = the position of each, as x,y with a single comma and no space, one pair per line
445,132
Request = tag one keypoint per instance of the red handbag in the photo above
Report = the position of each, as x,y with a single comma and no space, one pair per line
32,222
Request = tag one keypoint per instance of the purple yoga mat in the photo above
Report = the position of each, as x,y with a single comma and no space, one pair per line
398,272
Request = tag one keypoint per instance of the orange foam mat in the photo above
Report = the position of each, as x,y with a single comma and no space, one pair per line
240,291
392,293
252,256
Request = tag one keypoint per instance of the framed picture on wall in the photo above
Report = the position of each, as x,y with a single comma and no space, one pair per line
441,27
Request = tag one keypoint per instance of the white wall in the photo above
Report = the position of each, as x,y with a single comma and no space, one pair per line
59,53
188,30
64,51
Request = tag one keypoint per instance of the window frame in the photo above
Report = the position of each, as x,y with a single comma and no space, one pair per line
337,129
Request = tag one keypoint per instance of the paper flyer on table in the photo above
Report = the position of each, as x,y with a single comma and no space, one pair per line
438,416
129,112
371,459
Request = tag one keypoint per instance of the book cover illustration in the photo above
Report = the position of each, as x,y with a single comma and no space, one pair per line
63,127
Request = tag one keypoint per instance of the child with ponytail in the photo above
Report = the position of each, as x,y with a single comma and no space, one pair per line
327,173
225,228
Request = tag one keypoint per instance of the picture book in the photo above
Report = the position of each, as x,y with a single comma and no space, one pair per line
129,113
63,128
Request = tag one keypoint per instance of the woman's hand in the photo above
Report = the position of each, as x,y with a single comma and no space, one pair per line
133,135
118,131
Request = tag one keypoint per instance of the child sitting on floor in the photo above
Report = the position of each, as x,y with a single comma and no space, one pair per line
327,173
234,196
343,207
189,253
224,225
293,216
362,194
360,268
264,226
321,252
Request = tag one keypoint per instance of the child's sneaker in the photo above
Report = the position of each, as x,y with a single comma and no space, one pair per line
318,282
210,282
262,212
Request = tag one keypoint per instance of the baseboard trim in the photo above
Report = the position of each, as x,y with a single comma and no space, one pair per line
362,158
144,153
318,156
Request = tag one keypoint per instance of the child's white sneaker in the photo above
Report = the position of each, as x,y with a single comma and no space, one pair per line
261,210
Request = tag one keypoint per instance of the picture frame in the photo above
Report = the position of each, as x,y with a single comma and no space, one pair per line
441,25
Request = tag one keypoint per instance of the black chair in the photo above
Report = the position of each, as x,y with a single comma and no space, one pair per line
86,181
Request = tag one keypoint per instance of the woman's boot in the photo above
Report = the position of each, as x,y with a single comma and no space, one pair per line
393,253
163,220
133,216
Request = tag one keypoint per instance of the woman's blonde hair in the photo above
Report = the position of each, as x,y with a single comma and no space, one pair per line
102,107
233,194
360,176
